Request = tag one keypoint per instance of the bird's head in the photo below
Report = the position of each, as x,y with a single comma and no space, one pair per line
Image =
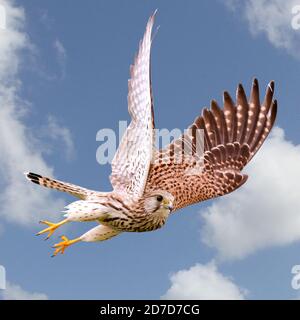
159,202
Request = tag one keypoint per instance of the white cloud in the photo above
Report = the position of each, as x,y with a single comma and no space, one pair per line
61,56
20,201
12,40
266,210
15,292
60,134
272,18
203,282
61,51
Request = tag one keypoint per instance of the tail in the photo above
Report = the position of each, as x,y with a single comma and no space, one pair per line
79,192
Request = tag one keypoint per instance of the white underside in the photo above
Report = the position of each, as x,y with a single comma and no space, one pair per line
84,210
99,233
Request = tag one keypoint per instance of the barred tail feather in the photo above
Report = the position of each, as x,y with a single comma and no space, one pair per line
79,192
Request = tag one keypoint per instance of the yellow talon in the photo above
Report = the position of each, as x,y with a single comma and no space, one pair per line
61,246
51,227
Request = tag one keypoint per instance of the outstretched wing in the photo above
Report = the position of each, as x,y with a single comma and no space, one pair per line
232,136
131,162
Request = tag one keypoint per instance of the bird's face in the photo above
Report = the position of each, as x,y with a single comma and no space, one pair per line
159,201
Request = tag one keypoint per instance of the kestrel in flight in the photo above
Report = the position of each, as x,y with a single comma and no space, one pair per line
148,184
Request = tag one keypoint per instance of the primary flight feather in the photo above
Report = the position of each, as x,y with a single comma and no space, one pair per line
149,184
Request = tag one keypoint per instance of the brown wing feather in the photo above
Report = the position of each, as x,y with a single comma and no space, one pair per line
232,136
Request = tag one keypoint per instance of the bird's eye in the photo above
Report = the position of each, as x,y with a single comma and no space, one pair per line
159,198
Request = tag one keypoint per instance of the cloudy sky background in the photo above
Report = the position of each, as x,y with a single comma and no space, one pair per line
63,76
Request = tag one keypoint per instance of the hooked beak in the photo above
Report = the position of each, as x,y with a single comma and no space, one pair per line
170,207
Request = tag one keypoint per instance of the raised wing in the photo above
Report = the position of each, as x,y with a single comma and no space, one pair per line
131,162
232,136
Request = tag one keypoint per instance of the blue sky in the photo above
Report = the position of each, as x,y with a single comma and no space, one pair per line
68,65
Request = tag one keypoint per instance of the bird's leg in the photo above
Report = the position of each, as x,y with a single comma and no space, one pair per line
51,227
61,246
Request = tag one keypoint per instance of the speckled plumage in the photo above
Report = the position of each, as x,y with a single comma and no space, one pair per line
147,183
232,136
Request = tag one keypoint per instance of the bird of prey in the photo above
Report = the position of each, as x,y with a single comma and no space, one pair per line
148,184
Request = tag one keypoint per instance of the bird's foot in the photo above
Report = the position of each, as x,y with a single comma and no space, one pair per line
61,246
51,227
